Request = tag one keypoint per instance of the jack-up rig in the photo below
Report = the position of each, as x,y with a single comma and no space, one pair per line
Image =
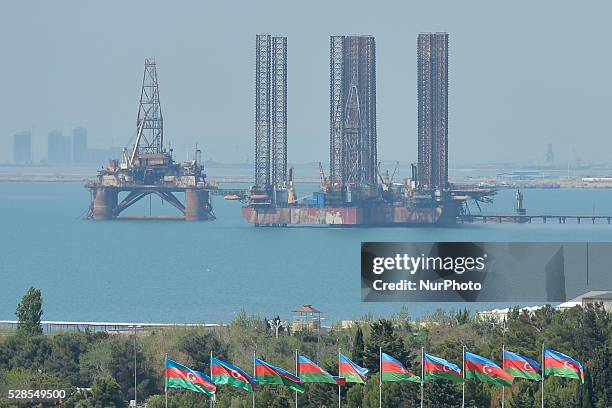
148,168
355,192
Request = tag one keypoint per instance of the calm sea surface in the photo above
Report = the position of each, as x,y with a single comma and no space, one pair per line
169,271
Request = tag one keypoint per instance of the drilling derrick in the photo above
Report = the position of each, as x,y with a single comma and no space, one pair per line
432,84
271,176
148,169
353,155
150,118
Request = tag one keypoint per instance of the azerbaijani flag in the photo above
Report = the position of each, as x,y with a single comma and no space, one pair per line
268,374
180,376
350,371
485,370
560,365
393,370
228,374
310,372
521,367
436,367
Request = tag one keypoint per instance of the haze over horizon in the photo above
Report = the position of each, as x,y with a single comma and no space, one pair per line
522,74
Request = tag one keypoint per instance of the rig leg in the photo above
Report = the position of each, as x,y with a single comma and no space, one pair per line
197,205
105,201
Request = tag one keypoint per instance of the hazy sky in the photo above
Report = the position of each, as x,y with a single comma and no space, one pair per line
522,73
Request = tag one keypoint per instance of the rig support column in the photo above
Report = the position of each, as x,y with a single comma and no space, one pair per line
104,203
197,207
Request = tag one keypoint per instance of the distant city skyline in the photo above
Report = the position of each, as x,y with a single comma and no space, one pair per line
517,74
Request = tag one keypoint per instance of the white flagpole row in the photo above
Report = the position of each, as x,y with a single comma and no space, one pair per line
543,375
380,377
166,381
503,368
297,373
463,384
422,374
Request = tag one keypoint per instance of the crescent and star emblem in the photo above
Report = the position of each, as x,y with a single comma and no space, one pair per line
191,377
487,369
235,374
527,367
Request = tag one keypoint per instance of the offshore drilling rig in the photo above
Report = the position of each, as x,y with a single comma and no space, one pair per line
148,168
355,192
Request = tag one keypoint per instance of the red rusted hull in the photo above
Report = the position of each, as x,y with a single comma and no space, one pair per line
381,215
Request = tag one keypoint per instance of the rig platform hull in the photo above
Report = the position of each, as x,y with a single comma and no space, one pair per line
371,215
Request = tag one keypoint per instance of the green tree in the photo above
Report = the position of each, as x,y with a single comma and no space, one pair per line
198,344
29,312
383,334
358,349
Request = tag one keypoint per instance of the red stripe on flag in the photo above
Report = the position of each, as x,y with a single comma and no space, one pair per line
554,363
173,372
519,365
439,368
306,368
393,367
488,370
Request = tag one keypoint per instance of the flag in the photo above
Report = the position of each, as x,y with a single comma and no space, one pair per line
228,374
485,370
393,370
268,374
310,372
350,371
521,367
339,380
436,367
180,376
560,365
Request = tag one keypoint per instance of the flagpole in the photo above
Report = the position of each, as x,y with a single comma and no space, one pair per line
339,396
297,374
380,377
463,384
543,374
255,376
166,382
422,374
211,357
503,368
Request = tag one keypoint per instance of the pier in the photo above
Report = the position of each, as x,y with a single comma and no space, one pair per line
541,218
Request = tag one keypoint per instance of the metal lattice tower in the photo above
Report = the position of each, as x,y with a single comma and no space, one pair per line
150,122
279,112
262,111
270,111
432,84
353,154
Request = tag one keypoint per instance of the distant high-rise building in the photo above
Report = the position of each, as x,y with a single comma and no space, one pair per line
550,154
79,145
22,148
432,84
58,148
353,154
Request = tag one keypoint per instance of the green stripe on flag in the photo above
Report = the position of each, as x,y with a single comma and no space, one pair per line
317,378
277,379
353,378
480,376
562,372
188,385
528,375
400,377
224,379
432,375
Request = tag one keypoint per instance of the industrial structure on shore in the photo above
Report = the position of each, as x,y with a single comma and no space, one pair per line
148,168
356,192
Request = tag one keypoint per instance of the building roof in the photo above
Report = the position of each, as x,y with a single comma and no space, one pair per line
307,309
